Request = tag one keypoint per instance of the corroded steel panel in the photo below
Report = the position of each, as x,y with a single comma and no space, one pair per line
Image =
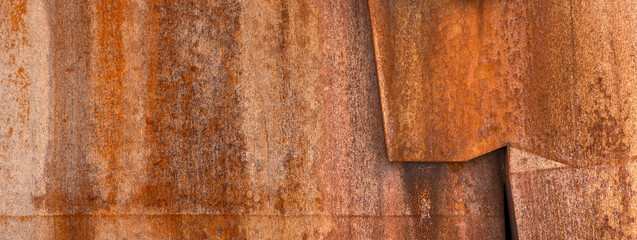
461,78
579,98
212,119
262,119
448,73
552,200
560,83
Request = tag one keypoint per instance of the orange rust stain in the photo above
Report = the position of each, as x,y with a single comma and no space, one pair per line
197,227
73,226
19,8
438,80
16,38
21,80
109,112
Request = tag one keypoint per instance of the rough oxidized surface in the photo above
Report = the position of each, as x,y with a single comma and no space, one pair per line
551,200
461,78
448,75
556,81
213,119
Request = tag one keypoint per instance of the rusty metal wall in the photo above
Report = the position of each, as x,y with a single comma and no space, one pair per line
146,119
221,119
459,79
555,81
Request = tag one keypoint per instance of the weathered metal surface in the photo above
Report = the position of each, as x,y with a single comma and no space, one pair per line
461,78
449,74
579,99
213,119
574,176
255,119
556,81
459,200
552,200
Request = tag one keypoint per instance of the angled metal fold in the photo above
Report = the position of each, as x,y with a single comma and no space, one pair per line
459,79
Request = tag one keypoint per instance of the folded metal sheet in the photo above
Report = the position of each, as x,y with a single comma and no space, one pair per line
552,200
555,81
462,78
574,176
213,119
447,71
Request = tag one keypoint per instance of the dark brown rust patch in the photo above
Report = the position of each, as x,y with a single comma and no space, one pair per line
457,200
73,226
69,174
196,161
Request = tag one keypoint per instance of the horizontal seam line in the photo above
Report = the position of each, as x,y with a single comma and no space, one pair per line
241,215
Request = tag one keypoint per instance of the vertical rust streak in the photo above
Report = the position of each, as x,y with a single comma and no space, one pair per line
337,149
20,78
355,170
282,200
158,193
291,195
196,162
282,118
14,40
69,173
108,111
